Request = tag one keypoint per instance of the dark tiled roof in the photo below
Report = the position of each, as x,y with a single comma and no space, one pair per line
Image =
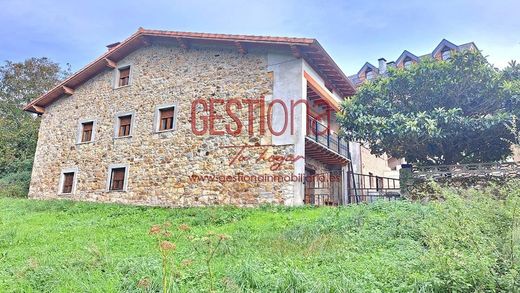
467,46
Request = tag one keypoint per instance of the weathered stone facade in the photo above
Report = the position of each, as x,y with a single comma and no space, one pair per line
160,164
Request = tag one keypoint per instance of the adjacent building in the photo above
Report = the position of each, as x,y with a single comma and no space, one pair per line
384,165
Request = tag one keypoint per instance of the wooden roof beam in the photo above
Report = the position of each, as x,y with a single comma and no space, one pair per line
110,63
146,42
241,48
183,43
67,90
318,89
38,109
296,51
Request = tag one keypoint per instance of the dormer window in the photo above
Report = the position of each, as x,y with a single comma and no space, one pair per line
407,62
370,74
446,53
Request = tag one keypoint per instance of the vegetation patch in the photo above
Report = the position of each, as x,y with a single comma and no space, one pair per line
468,242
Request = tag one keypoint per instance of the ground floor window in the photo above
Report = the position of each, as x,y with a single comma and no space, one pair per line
68,181
118,178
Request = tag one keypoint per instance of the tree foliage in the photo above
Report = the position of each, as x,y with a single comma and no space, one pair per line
437,112
21,82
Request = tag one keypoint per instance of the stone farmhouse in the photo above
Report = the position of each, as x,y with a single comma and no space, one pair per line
186,119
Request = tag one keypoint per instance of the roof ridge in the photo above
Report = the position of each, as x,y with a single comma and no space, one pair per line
139,38
219,35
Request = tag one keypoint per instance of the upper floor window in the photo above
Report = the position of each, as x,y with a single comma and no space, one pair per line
407,62
124,76
446,53
87,131
165,118
124,125
370,74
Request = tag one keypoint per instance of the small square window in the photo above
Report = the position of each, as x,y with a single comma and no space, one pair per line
125,124
68,182
117,179
124,76
166,118
86,131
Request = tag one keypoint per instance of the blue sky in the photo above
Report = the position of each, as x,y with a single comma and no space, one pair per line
353,32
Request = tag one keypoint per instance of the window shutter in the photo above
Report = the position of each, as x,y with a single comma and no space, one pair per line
125,120
118,179
87,126
68,181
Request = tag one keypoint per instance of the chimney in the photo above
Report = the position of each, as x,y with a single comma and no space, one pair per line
382,65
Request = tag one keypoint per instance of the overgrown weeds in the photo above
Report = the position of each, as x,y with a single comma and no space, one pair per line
467,242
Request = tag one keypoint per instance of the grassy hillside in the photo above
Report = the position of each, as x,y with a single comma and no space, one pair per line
463,245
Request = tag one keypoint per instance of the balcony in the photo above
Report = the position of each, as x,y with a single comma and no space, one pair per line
324,145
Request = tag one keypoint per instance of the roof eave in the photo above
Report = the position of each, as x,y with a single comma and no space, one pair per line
106,59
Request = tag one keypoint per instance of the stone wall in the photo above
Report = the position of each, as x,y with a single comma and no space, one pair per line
422,182
160,164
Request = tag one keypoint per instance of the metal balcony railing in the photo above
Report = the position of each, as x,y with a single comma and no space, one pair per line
321,134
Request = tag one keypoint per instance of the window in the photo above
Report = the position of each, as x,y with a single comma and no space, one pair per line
68,182
87,129
124,76
117,179
166,122
407,62
125,123
446,53
165,117
370,74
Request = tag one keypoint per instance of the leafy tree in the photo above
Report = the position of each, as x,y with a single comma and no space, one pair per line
512,71
437,112
21,82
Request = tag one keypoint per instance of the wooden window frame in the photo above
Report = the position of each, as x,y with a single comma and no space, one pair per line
123,81
86,135
79,136
63,174
117,124
157,119
109,178
117,75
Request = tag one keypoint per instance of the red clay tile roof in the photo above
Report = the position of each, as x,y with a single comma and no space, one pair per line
309,49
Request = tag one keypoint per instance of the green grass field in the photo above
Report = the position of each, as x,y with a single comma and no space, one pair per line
462,245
